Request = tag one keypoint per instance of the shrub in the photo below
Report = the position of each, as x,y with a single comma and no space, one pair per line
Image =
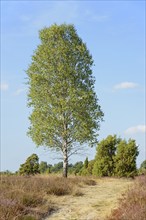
133,204
116,157
125,159
20,196
104,159
31,166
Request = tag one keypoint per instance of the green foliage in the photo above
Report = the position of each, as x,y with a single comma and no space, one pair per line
87,168
57,167
104,160
31,166
143,165
44,167
77,167
116,157
142,169
86,163
7,173
125,159
65,109
90,167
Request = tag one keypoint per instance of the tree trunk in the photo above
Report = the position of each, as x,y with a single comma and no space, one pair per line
65,161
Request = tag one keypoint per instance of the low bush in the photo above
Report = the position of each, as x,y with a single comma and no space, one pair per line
59,186
133,204
23,198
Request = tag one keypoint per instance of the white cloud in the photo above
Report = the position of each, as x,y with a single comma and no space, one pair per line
136,129
4,86
19,91
126,85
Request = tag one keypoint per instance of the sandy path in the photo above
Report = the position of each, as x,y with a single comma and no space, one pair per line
95,203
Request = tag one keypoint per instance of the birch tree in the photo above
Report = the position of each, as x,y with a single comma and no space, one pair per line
65,111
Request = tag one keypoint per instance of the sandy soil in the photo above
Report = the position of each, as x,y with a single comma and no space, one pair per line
94,203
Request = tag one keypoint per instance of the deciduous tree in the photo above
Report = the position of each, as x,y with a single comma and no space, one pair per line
65,110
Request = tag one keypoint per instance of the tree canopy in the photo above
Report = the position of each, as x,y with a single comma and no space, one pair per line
65,110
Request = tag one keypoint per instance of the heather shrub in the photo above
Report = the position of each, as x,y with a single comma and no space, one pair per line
27,198
89,182
59,186
133,203
23,198
9,208
31,200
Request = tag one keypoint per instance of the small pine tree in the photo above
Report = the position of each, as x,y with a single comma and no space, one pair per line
88,170
90,166
31,166
86,163
84,170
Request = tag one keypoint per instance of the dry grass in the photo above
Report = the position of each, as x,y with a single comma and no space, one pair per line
53,197
30,198
95,201
133,204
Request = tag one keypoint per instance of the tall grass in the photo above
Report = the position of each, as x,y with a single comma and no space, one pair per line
133,204
28,198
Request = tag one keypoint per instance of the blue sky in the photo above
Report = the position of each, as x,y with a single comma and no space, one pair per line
114,32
